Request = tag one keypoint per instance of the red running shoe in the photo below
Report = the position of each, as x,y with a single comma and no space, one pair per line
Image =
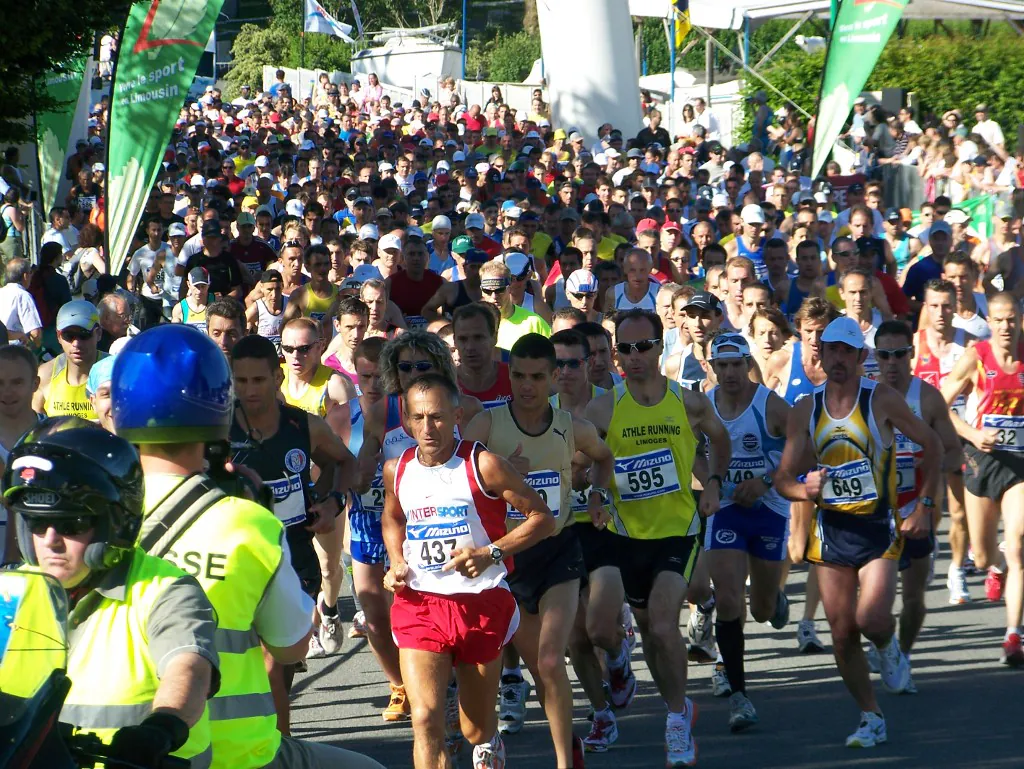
994,584
1013,652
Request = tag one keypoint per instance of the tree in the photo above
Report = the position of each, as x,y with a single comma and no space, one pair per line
45,36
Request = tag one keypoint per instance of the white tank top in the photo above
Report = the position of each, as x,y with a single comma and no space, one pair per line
269,324
907,450
623,302
871,370
446,509
755,452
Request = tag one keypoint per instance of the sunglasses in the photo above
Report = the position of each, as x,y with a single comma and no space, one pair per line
842,253
419,366
291,244
70,526
75,335
642,346
899,353
493,292
302,349
581,295
570,363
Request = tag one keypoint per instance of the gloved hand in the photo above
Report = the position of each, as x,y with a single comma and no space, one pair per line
148,743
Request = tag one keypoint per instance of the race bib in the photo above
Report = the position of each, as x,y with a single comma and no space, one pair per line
744,468
415,321
906,464
849,483
579,500
547,483
373,500
429,546
1009,431
647,475
289,501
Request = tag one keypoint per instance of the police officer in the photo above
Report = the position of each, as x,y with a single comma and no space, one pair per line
173,394
142,660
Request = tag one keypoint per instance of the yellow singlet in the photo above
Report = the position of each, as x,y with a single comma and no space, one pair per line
314,397
654,447
316,306
63,399
861,477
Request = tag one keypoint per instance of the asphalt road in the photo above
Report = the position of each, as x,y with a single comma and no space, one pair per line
968,710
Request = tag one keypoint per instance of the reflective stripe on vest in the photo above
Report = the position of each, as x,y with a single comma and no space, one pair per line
236,641
242,706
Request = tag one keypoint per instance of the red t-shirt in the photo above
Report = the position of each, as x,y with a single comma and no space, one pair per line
898,302
410,295
255,257
489,246
498,393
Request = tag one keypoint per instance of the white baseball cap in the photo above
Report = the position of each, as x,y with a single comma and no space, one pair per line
368,232
846,331
390,241
475,222
720,200
581,282
262,161
752,214
176,230
440,222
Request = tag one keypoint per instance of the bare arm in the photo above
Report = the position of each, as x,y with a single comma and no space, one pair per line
895,407
340,390
39,398
337,468
936,414
703,419
798,456
602,469
252,316
184,687
373,439
956,383
498,474
296,304
478,428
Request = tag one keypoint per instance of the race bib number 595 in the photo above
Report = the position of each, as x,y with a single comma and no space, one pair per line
647,475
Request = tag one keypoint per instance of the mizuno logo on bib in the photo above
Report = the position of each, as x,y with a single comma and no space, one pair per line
548,484
849,482
646,475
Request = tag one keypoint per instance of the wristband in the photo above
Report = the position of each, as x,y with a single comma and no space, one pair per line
715,477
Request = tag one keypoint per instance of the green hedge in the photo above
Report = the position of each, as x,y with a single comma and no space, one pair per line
502,58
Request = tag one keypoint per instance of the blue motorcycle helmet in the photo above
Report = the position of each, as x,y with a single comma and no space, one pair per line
172,384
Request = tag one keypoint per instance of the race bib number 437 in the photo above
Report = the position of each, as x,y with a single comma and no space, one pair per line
647,475
430,546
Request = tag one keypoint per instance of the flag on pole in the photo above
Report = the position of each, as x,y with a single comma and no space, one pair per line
355,14
681,13
861,30
319,20
55,129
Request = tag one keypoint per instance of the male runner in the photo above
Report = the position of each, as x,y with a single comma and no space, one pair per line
748,533
481,373
739,270
893,348
444,525
637,290
938,345
855,291
351,319
413,286
62,380
546,581
992,374
18,381
971,305
702,316
601,370
652,426
314,299
857,538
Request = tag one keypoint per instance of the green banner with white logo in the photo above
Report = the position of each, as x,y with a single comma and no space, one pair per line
861,30
53,129
159,52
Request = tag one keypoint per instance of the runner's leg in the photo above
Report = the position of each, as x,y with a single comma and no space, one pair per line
376,602
982,525
1013,532
328,548
765,577
583,657
838,586
728,569
429,673
913,583
662,639
478,693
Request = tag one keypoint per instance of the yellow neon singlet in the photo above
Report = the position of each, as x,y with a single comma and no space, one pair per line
861,477
654,448
314,397
317,306
63,399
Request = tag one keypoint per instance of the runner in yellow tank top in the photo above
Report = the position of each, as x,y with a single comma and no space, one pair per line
62,380
842,438
541,441
651,425
307,384
315,299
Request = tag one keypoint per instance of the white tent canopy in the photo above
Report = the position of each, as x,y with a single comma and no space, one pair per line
731,14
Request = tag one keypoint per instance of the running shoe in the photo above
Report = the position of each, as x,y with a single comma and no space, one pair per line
741,712
720,686
895,667
452,723
874,661
780,618
969,568
398,706
358,627
621,685
330,630
490,755
626,618
316,649
956,583
995,581
807,638
1013,652
603,732
871,732
578,761
911,686
680,747
512,699
700,630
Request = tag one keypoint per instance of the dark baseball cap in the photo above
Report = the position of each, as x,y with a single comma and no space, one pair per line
893,215
211,229
704,301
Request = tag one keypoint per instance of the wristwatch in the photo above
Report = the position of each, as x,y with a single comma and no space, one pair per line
342,500
767,480
927,501
606,496
496,554
715,477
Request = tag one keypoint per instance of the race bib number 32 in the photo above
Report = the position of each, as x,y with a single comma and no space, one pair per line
643,476
547,483
849,483
1009,431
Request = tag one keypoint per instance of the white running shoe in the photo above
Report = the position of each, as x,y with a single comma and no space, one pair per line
741,712
720,686
680,746
512,704
603,732
316,649
626,618
490,755
358,627
807,638
895,667
700,630
330,631
956,583
874,660
871,732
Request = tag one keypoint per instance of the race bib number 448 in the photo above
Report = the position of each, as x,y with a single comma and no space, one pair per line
647,475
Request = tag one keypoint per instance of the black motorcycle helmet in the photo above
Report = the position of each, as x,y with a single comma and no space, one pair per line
66,466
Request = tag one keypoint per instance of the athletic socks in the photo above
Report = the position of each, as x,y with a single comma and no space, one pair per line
707,606
729,635
517,671
329,611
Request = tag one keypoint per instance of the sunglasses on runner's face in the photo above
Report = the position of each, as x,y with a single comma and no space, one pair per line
71,526
570,363
899,353
302,349
420,366
75,335
581,295
642,346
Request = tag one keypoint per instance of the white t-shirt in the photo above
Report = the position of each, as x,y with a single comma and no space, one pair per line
68,237
142,261
18,310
